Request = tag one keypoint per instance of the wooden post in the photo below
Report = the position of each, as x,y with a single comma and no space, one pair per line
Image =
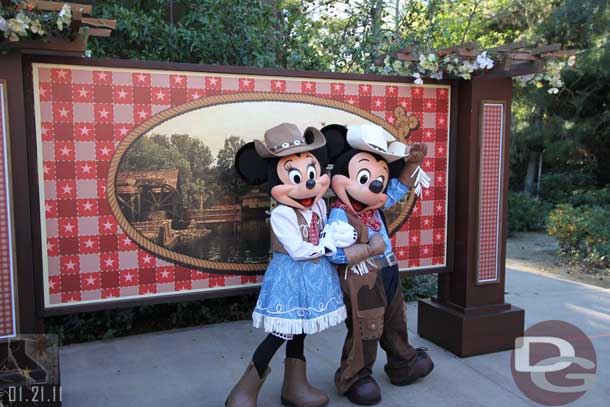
469,315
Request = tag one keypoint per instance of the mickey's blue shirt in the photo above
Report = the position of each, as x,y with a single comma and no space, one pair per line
396,191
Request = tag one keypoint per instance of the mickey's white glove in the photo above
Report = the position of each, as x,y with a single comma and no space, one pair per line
343,234
337,235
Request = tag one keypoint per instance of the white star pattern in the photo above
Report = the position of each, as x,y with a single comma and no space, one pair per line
65,151
84,131
147,259
245,83
62,74
48,207
68,227
141,77
123,131
365,88
195,95
104,113
66,189
178,80
277,84
90,280
63,112
160,95
88,243
126,240
142,114
102,76
107,225
87,205
70,265
122,94
128,277
86,168
164,274
83,92
46,169
109,262
337,87
105,150
212,81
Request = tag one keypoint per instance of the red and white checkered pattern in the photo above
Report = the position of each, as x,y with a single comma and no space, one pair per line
84,112
7,311
490,189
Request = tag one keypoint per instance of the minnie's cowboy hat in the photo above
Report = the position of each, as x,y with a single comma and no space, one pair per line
287,139
373,138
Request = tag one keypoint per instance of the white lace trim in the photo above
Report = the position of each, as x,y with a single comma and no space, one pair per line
299,326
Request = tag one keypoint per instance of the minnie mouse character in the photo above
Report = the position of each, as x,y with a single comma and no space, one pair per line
301,292
367,176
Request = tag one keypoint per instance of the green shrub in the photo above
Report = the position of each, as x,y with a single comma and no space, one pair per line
526,212
590,197
583,234
559,187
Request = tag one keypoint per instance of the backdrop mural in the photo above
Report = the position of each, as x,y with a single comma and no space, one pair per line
140,197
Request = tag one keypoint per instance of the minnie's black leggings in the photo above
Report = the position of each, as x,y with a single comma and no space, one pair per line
269,346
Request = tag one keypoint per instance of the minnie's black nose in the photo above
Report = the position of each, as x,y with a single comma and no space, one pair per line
310,183
376,186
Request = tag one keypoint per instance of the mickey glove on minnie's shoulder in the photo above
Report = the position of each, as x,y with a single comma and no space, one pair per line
412,174
337,235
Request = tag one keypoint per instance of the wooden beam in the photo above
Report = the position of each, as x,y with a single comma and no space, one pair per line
545,48
99,22
96,32
57,6
520,69
522,56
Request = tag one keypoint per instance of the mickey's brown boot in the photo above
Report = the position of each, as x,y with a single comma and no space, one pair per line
245,392
296,390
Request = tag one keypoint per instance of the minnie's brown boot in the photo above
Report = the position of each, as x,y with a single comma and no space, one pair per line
296,390
245,392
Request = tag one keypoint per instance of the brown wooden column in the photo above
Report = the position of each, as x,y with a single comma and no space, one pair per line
469,315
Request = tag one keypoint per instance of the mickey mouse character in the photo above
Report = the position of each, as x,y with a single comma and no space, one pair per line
368,176
301,292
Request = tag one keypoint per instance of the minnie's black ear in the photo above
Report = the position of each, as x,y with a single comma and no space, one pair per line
336,140
251,167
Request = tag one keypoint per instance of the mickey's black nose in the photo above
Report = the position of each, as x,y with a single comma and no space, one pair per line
376,186
310,183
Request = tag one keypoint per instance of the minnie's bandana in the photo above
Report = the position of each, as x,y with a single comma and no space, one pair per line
369,218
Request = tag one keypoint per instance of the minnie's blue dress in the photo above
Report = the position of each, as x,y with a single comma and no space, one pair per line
301,292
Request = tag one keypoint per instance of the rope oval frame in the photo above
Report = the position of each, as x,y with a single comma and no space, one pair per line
209,101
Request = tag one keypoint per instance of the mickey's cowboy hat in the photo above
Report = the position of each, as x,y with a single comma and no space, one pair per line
287,139
374,139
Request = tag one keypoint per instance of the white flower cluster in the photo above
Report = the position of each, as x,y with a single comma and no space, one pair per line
21,25
431,65
553,68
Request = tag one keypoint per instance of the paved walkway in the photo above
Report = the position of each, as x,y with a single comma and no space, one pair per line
198,366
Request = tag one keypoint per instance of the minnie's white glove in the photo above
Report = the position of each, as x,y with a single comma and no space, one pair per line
343,234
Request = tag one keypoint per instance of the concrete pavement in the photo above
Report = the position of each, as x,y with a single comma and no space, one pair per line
198,366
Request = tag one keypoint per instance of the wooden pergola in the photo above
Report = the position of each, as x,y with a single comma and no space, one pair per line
83,25
517,58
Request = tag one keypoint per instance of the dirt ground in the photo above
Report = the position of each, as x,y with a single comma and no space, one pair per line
538,253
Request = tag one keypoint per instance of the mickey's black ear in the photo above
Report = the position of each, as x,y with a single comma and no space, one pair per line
396,168
336,140
251,167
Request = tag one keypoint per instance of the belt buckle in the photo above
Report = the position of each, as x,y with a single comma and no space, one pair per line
391,259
